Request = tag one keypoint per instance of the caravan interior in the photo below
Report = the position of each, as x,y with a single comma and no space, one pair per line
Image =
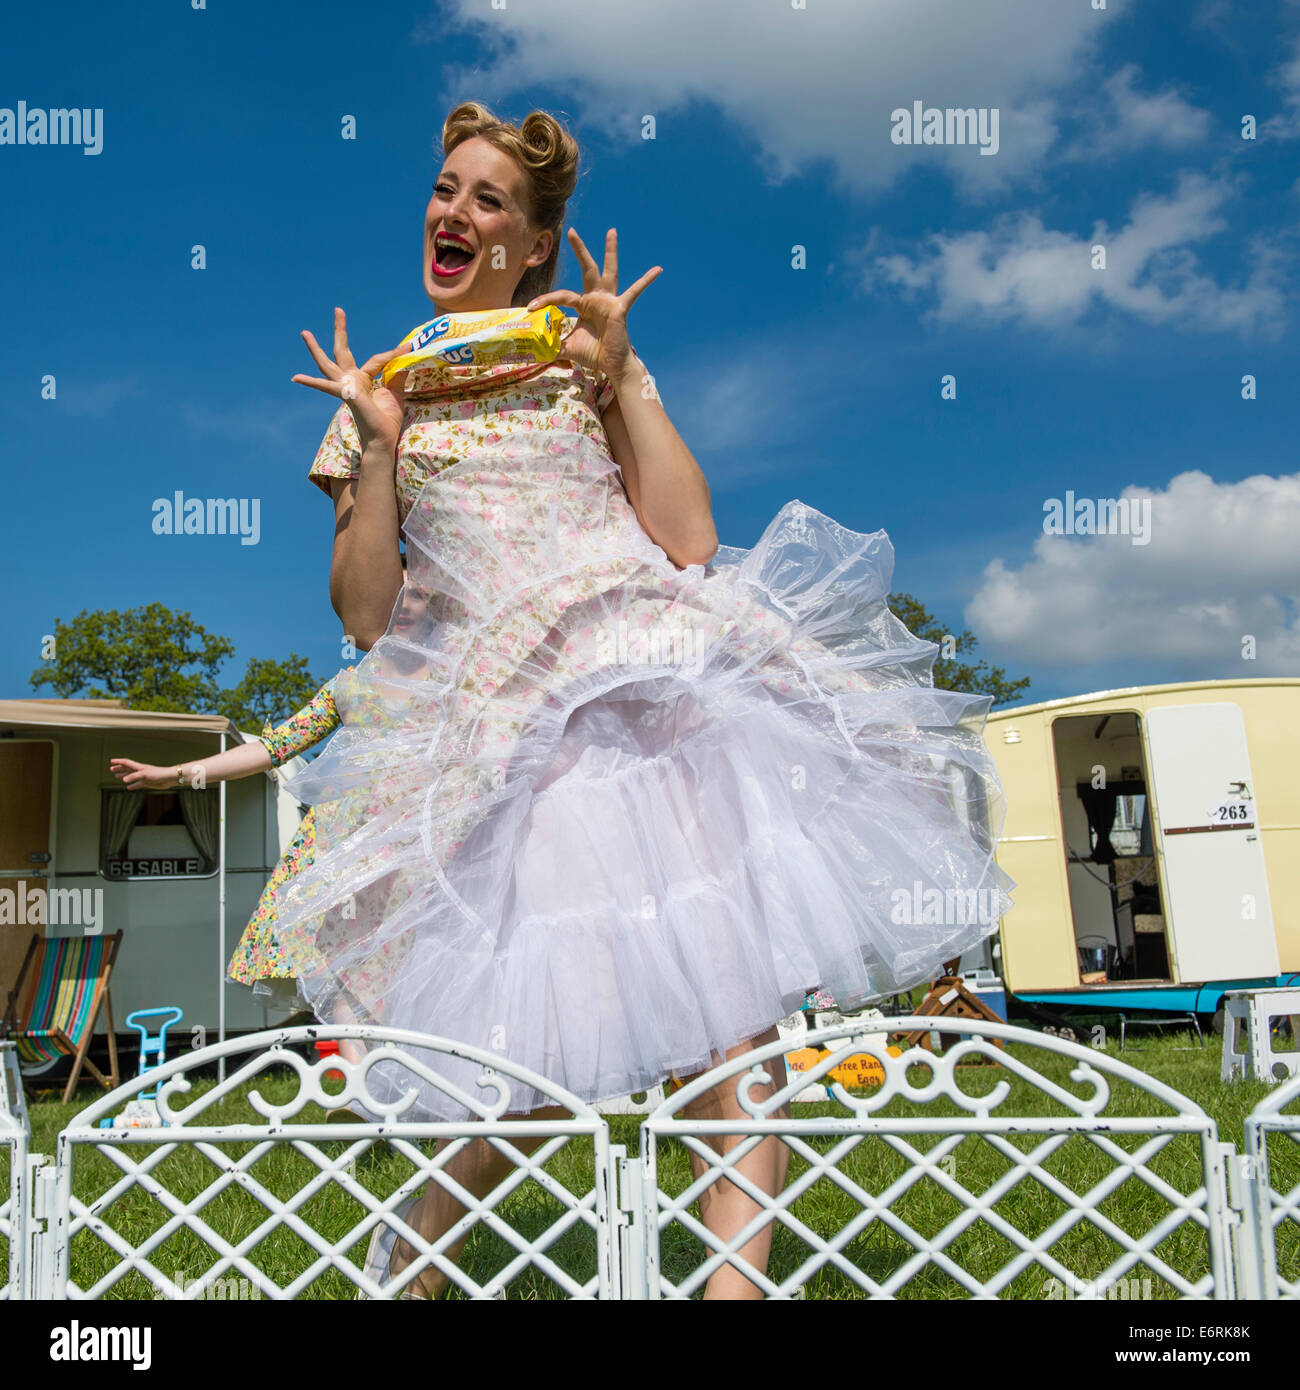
1115,898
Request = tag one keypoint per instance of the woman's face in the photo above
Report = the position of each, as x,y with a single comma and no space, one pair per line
479,201
411,610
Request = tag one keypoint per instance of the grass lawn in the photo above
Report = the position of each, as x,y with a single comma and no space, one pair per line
879,1248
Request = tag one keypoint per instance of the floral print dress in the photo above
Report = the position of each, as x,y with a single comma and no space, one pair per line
258,955
628,814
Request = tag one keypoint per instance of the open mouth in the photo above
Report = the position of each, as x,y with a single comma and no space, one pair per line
450,255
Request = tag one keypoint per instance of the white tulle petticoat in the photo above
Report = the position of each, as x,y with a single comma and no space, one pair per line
608,818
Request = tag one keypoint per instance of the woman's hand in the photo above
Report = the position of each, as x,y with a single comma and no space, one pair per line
377,410
599,339
142,776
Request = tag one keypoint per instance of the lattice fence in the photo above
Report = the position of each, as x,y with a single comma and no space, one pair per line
13,1175
249,1191
1272,1161
1043,1169
1016,1181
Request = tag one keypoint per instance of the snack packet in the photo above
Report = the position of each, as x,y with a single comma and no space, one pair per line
483,339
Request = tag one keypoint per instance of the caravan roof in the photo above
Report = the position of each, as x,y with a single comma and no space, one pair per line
110,714
1009,711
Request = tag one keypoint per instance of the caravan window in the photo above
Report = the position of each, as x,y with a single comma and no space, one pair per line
1130,819
157,834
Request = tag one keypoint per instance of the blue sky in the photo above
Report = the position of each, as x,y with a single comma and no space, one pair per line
1121,127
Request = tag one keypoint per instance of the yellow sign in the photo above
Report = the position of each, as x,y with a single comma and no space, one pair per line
858,1069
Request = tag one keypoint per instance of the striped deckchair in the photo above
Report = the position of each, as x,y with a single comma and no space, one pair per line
53,1010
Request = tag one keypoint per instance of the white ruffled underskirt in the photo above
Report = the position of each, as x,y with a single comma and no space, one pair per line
685,801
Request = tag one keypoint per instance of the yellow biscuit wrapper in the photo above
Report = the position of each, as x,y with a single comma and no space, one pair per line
486,339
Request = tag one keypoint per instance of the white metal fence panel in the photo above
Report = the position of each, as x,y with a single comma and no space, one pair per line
13,1176
1060,1172
1272,1162
250,1192
1073,1175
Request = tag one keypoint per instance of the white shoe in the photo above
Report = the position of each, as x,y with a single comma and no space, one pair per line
379,1253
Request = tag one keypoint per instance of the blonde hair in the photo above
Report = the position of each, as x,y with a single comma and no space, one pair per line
547,154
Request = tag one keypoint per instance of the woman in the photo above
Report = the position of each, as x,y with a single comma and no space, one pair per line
660,791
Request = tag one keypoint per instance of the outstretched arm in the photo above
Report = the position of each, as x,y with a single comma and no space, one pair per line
316,719
234,763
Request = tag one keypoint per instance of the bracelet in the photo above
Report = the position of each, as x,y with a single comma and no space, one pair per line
180,774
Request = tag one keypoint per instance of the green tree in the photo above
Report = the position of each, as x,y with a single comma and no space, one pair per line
270,692
950,674
151,658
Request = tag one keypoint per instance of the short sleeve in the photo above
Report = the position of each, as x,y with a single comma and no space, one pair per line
339,455
311,724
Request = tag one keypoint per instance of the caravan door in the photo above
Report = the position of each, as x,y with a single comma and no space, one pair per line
1219,921
28,768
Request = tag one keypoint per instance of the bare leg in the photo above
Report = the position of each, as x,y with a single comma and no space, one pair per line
478,1167
349,1049
725,1208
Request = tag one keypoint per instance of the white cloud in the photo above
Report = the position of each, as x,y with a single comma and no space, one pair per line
1285,125
1215,15
809,86
1126,120
1022,270
1221,563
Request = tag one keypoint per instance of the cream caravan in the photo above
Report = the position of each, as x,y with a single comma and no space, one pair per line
178,872
1154,836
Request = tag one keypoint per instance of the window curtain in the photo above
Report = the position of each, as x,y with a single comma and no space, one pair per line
120,815
199,809
1099,803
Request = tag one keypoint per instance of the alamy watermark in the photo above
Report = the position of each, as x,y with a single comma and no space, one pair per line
944,906
1106,516
229,1289
662,644
39,905
76,1343
1128,1287
179,515
949,125
33,125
